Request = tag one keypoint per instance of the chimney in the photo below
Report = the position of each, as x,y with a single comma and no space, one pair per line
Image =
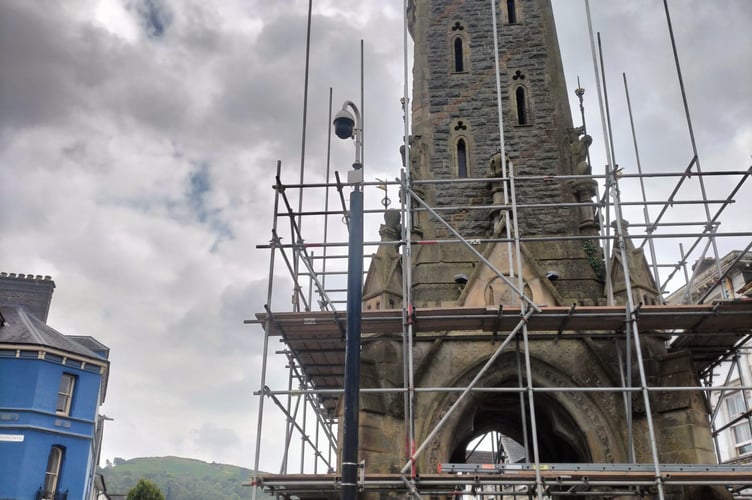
33,293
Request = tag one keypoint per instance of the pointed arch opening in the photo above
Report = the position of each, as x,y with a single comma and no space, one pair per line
571,427
500,415
462,158
459,55
522,105
511,12
498,428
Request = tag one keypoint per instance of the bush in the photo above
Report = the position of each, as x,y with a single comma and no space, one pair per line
145,490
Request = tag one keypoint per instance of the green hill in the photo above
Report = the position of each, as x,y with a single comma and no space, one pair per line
181,478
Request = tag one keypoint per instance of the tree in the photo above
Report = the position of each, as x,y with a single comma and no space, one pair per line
145,490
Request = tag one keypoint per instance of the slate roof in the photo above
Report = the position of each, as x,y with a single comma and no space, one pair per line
21,327
92,344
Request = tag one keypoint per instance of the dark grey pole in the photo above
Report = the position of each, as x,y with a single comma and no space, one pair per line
346,126
352,347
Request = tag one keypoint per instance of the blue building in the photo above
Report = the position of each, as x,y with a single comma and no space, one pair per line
51,387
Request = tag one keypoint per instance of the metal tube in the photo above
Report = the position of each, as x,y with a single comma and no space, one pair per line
631,321
724,293
265,348
523,178
645,214
290,421
522,239
352,348
613,168
526,347
523,417
378,390
359,137
304,436
316,445
604,227
407,278
326,191
610,136
503,151
303,135
627,398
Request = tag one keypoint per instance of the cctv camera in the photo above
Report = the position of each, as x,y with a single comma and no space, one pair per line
344,124
552,276
460,279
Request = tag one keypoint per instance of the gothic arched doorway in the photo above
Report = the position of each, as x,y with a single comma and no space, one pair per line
571,426
496,432
560,440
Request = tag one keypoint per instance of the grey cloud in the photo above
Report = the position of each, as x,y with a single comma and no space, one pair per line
38,78
215,439
154,16
54,70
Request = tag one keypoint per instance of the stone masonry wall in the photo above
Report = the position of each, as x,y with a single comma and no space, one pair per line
448,105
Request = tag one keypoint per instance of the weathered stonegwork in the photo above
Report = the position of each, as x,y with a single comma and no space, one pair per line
447,104
450,105
455,129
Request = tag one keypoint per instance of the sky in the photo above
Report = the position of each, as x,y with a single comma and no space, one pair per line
138,148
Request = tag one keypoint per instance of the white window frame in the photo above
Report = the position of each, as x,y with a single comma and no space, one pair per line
65,394
52,473
734,405
734,408
742,446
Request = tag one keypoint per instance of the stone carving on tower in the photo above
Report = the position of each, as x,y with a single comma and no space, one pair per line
585,187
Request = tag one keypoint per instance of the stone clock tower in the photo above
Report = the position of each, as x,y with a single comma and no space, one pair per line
457,168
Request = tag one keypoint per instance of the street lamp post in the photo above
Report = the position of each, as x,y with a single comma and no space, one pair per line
346,127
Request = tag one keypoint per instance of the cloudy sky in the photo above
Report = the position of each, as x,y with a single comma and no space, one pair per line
138,143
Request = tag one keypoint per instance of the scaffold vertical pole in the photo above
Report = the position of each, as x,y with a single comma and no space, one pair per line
605,228
267,327
407,276
711,236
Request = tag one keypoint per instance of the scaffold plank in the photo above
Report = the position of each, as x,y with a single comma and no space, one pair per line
456,476
708,331
702,318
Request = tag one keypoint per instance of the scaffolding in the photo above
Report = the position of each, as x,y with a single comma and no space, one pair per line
313,332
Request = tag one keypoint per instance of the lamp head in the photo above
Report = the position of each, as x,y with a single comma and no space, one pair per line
344,124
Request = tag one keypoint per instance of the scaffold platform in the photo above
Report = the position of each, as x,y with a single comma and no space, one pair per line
607,480
316,338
